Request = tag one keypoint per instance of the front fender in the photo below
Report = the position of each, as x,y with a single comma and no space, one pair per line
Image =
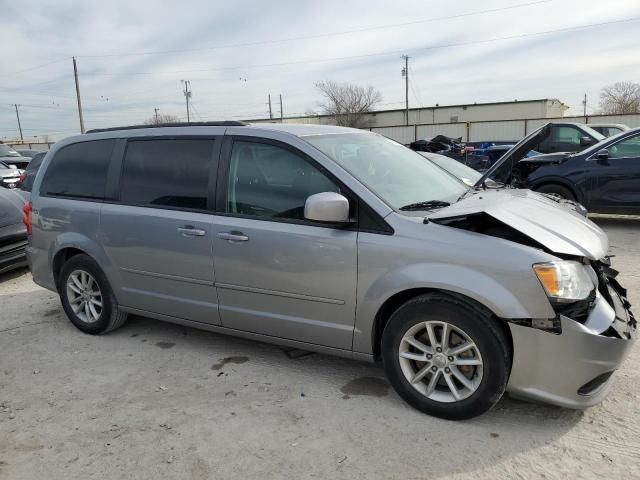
487,290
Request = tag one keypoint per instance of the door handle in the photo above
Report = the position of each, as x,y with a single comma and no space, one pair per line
190,231
233,236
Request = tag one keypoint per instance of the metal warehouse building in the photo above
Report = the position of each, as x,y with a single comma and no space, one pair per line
477,122
475,112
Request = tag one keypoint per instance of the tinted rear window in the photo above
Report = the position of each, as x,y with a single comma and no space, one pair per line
79,170
172,173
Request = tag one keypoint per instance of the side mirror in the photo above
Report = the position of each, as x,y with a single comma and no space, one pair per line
584,141
602,154
327,207
13,167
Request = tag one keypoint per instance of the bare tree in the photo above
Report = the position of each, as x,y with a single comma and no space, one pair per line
621,97
348,103
164,118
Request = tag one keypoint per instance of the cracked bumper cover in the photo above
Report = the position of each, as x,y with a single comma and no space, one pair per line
551,368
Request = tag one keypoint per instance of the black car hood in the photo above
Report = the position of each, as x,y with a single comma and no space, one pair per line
10,207
518,151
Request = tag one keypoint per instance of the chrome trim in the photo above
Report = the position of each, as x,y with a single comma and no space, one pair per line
263,291
167,276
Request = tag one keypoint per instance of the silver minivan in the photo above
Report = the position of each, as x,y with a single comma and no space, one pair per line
339,241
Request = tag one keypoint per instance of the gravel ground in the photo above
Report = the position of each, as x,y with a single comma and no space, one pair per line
155,400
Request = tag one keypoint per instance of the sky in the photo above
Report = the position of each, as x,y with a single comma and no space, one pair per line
132,55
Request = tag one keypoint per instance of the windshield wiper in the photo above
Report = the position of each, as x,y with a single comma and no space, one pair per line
425,205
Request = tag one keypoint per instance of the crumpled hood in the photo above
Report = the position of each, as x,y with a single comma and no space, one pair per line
556,225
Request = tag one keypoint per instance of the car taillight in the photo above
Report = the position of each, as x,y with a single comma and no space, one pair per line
22,177
26,216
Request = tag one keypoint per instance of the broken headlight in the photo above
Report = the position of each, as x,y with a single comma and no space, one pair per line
565,281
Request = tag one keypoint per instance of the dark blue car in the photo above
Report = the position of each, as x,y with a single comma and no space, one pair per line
605,178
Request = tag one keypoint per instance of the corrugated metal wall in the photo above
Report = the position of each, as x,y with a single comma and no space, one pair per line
453,130
404,135
496,131
505,130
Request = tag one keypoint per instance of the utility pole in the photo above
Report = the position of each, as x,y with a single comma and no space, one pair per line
75,75
281,114
156,114
584,105
18,117
270,113
187,96
405,74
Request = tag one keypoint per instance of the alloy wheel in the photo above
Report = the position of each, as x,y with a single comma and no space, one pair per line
84,296
440,361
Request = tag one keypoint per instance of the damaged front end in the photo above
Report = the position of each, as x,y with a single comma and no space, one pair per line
568,359
574,367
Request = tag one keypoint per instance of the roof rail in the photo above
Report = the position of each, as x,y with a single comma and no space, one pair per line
226,123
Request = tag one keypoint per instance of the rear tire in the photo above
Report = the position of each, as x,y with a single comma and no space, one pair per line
445,357
555,189
87,297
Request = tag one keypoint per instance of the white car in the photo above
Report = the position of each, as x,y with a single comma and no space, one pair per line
609,129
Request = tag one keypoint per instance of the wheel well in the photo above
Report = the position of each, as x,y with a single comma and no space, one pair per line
61,258
396,301
559,184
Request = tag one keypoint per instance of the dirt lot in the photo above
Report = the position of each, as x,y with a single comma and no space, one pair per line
155,400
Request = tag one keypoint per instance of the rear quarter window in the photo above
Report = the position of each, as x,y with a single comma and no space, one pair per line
79,170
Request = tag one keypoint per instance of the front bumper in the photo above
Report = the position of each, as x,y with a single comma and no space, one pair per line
573,369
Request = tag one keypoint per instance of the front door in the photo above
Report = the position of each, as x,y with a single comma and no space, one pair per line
159,236
616,180
277,274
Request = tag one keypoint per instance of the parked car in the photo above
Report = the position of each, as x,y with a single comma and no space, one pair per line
29,175
451,147
29,153
493,152
465,174
334,240
609,129
605,177
9,175
9,156
13,234
568,137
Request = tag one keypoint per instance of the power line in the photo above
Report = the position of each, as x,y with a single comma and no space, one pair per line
414,87
379,54
321,35
16,72
195,110
53,107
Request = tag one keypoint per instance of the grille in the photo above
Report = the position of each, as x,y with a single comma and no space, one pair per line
10,249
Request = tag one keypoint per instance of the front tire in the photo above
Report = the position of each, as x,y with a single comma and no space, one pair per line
558,190
445,357
87,297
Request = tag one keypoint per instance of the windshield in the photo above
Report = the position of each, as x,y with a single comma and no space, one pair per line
3,166
7,151
600,145
397,175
